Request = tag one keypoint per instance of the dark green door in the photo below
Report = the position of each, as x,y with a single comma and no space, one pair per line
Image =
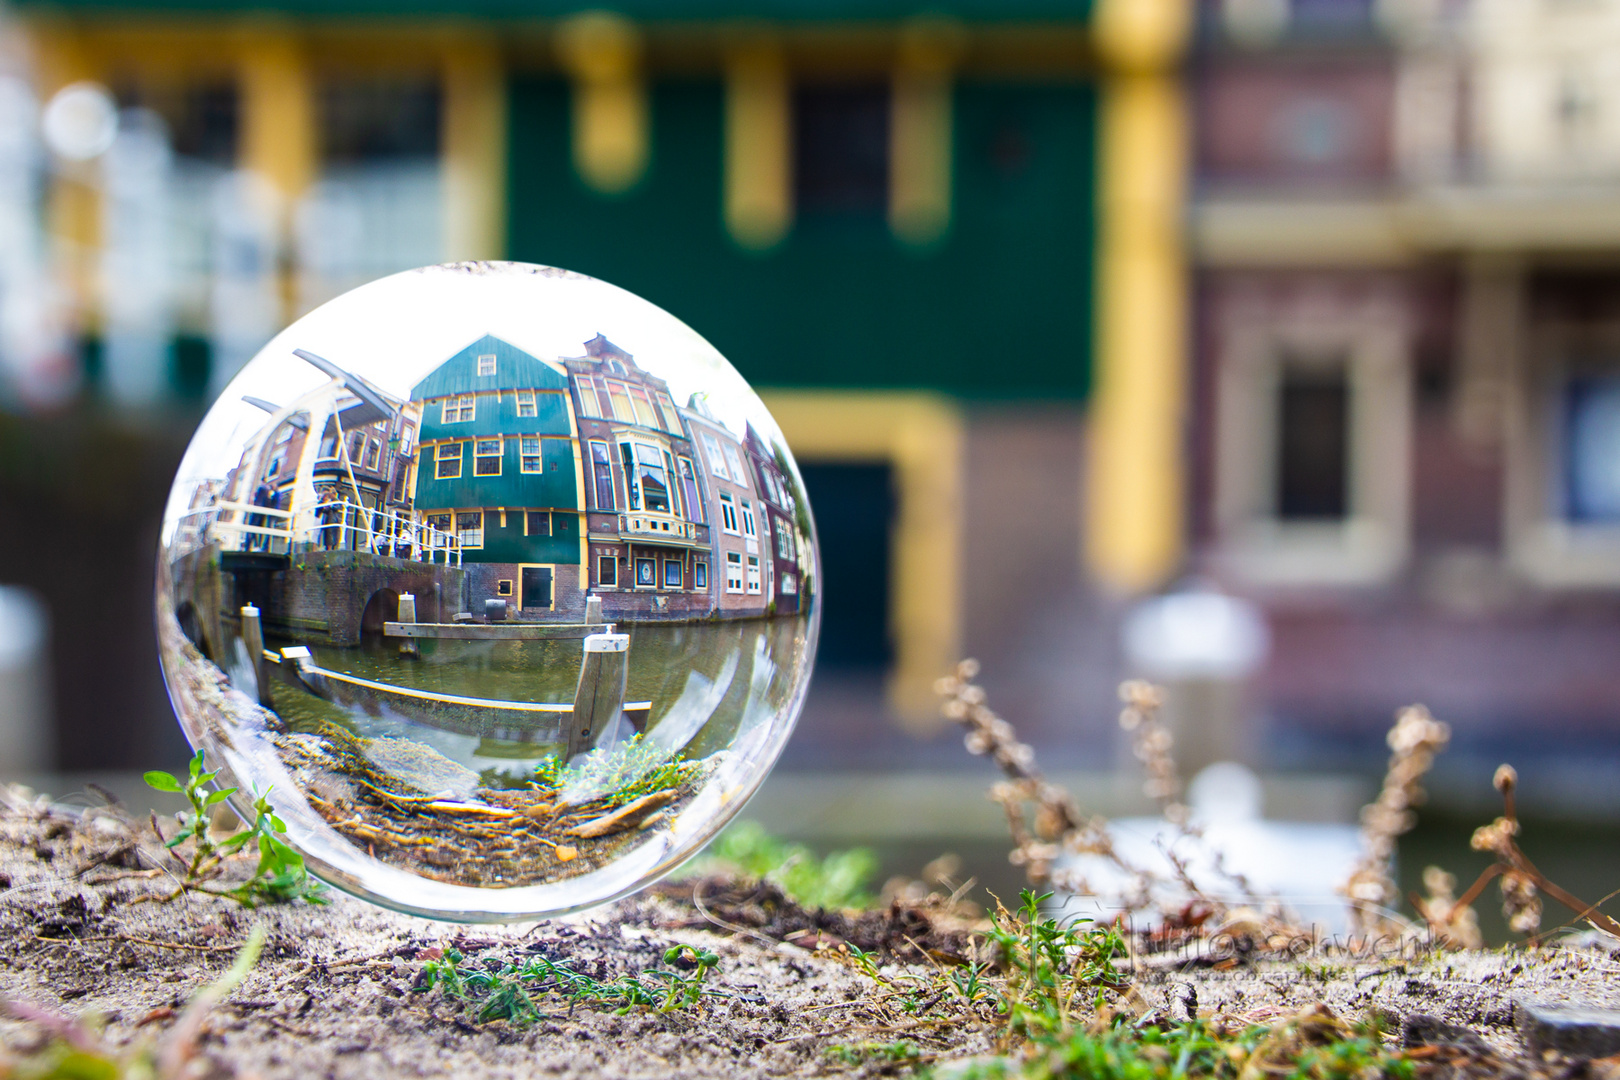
536,587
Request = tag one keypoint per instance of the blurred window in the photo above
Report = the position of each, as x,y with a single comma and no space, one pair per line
357,448
647,573
486,364
607,570
621,403
644,414
370,120
737,474
1591,409
487,457
587,399
1313,443
694,505
537,523
700,574
728,514
373,454
470,528
753,574
672,419
734,572
841,150
717,464
448,463
672,573
529,455
749,528
602,471
525,403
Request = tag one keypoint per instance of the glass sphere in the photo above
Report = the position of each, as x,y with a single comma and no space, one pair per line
500,579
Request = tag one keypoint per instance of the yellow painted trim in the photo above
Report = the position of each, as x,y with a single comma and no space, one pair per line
920,437
920,131
278,126
474,158
538,566
602,54
758,201
73,200
1134,508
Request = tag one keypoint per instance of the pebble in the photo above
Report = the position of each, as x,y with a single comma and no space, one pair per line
1580,1031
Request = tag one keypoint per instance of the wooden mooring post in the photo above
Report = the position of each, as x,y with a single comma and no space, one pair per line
599,697
253,641
407,614
593,610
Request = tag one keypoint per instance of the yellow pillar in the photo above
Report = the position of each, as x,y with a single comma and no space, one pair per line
73,201
758,204
602,53
920,131
279,140
1134,505
474,139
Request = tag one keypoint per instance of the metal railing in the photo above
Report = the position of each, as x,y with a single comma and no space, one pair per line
329,526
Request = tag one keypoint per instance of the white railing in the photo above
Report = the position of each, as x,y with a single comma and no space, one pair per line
327,526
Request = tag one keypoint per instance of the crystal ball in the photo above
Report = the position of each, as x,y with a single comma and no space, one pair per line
500,580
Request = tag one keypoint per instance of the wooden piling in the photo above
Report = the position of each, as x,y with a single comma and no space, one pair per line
599,697
593,610
407,614
253,639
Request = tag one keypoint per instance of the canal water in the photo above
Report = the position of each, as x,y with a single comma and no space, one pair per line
705,680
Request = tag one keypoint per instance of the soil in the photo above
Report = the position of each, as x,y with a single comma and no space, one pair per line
334,993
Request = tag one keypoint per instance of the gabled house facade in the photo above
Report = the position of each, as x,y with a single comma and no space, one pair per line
778,526
724,467
647,509
498,466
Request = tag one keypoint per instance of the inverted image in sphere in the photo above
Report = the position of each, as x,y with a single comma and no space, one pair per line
500,579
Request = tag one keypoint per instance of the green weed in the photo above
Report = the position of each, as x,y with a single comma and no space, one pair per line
840,880
280,877
1049,966
507,991
617,775
899,1052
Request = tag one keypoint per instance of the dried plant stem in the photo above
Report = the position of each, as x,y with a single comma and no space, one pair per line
1414,741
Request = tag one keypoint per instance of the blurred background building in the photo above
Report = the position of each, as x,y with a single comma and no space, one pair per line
1310,304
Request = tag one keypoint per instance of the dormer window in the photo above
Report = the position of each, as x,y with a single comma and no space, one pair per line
486,364
459,409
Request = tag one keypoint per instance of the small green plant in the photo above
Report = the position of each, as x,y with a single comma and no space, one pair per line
280,877
617,775
507,991
899,1052
1050,965
842,879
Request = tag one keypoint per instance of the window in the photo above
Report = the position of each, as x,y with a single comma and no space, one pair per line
486,364
749,528
717,464
604,403
602,473
1592,449
529,455
607,570
644,472
694,505
373,454
448,461
753,574
405,442
647,573
734,572
487,457
440,526
672,573
525,403
329,447
1313,444
737,472
459,409
700,574
537,523
503,587
669,472
841,150
357,448
470,528
275,467
790,584
587,396
728,513
784,539
621,403
672,417
644,413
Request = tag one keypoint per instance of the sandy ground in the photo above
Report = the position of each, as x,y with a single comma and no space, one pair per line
333,994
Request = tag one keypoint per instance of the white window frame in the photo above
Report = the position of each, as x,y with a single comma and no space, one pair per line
728,514
1369,545
739,473
525,458
469,537
717,463
750,527
700,574
734,572
459,409
526,403
1542,542
754,576
440,458
486,365
479,456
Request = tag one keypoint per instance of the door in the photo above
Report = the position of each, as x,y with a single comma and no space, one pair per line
536,587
